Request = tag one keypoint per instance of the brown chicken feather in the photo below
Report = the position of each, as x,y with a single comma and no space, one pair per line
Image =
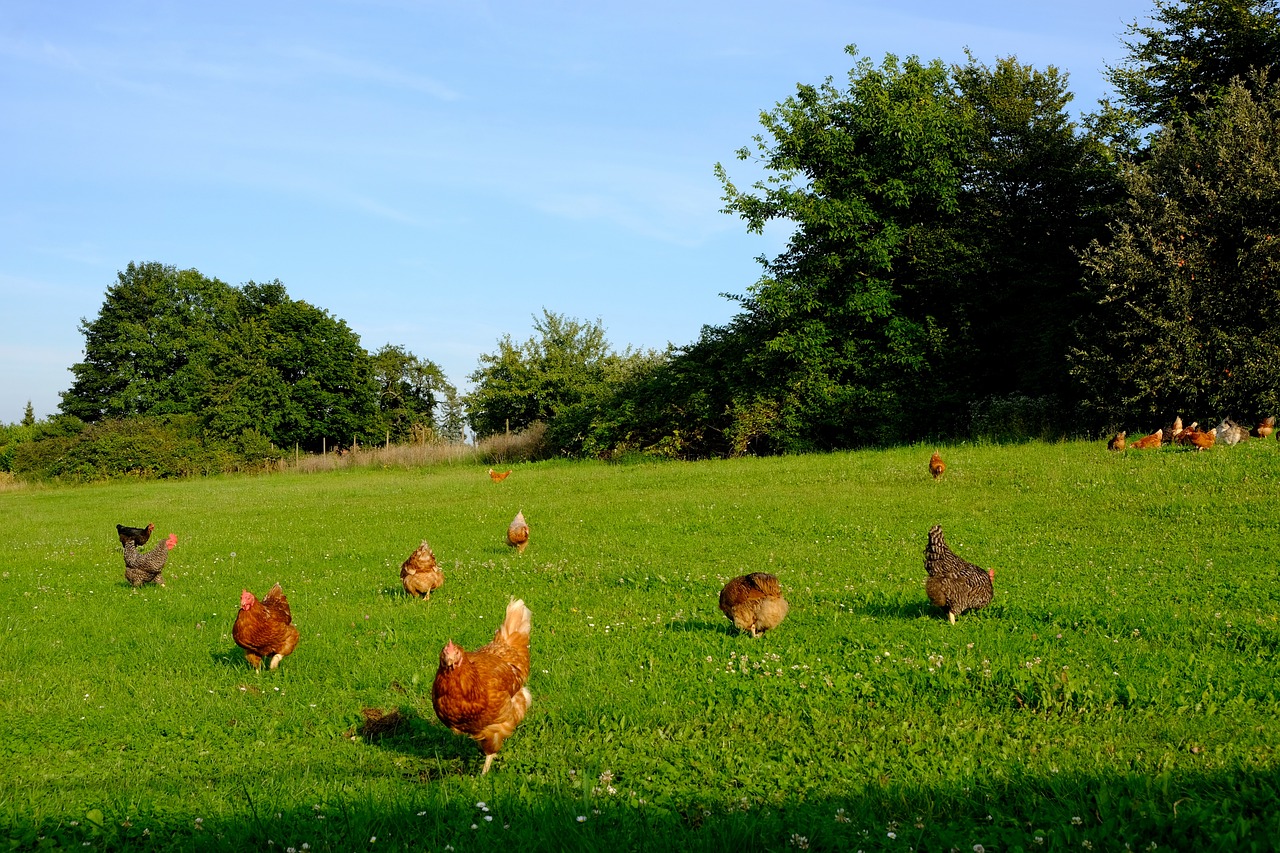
954,584
1117,443
754,602
1192,437
518,532
936,465
420,574
140,568
1154,440
482,694
265,629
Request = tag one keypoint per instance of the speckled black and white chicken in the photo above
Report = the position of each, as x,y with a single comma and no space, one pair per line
140,568
954,584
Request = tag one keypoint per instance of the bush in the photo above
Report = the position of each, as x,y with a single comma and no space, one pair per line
1016,418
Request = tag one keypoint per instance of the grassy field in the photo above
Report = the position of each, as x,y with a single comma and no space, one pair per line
1121,692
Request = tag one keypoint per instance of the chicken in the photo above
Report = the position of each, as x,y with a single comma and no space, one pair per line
1117,443
420,574
498,478
142,568
1229,433
1176,429
953,583
1192,437
1154,440
1266,427
137,535
754,602
936,465
265,629
482,694
518,533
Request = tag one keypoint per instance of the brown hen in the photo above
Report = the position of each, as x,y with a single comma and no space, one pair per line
518,532
1266,427
137,535
1117,443
954,584
265,629
499,477
754,602
1154,440
481,694
936,465
420,574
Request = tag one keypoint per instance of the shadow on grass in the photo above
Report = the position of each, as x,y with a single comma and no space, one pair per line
1193,809
896,609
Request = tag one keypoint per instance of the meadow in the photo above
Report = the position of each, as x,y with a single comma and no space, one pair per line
1122,691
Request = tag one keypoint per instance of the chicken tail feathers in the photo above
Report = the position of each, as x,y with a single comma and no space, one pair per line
517,624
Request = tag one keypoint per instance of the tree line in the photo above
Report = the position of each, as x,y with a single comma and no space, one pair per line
965,259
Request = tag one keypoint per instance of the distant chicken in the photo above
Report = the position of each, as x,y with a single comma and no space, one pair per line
498,478
137,535
265,629
754,602
1154,440
420,574
1229,433
954,584
1266,427
518,533
1192,437
145,568
482,694
1117,443
936,465
1176,429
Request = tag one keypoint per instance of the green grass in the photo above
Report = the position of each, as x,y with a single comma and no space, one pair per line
1123,687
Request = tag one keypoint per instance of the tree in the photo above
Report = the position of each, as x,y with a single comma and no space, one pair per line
1188,285
566,362
293,372
29,415
861,173
409,390
1187,57
147,351
1004,276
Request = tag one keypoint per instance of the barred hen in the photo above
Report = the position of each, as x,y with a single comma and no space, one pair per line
142,568
420,574
481,694
265,629
137,535
518,532
953,583
754,602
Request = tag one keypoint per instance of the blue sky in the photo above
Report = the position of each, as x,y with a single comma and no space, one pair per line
433,173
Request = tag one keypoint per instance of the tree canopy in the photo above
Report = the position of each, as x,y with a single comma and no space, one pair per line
245,360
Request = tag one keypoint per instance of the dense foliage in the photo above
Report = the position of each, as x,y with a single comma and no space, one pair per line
965,260
1188,285
245,360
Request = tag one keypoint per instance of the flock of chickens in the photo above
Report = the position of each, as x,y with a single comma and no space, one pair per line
1228,432
482,694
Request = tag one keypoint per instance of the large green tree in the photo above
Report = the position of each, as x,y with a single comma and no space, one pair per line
565,363
1188,284
862,173
147,351
1189,53
409,391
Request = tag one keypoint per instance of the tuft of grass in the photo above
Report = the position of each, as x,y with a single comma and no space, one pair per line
1122,689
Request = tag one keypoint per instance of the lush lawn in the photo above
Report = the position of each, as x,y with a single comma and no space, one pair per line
1123,688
